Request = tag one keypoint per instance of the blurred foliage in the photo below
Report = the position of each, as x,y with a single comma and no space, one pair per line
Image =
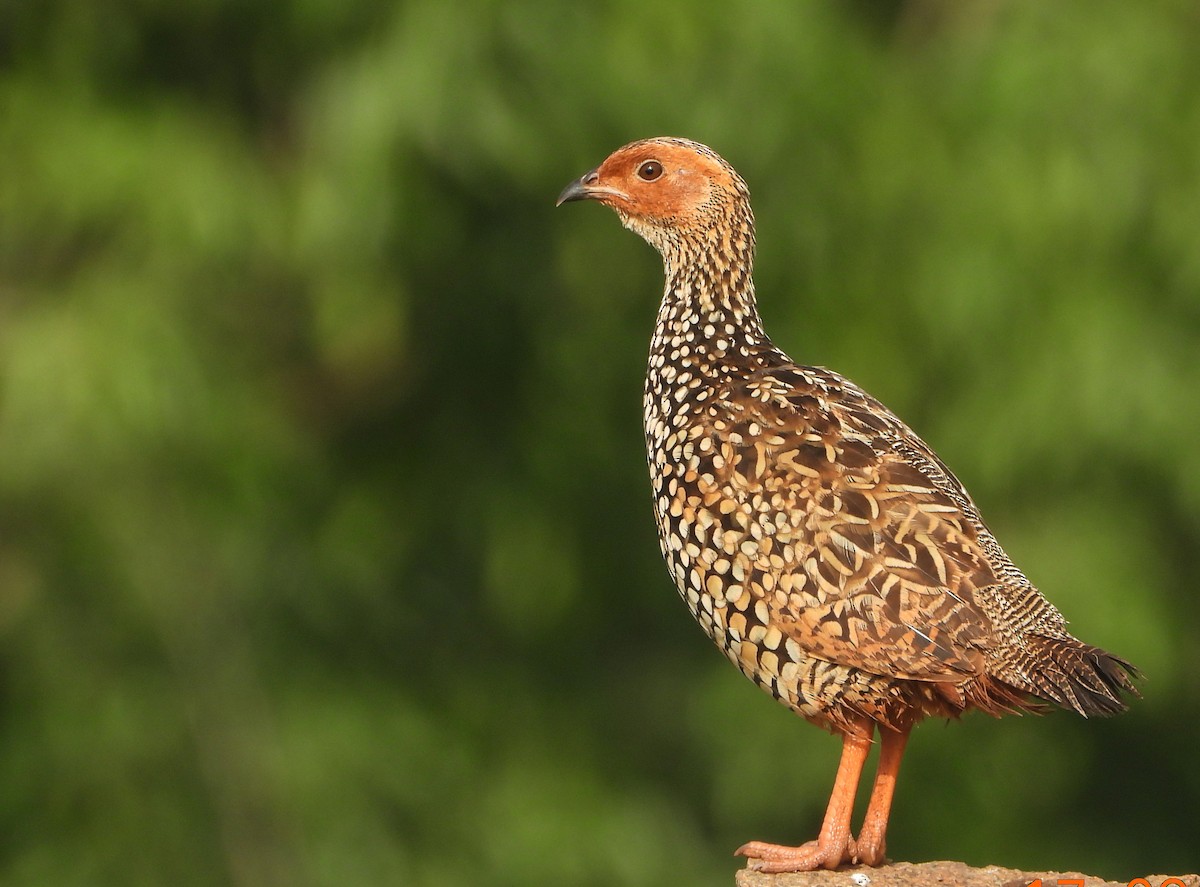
325,546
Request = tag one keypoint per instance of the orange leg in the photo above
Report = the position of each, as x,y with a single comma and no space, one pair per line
834,845
872,840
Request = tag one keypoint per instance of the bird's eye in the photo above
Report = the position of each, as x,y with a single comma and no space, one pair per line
650,170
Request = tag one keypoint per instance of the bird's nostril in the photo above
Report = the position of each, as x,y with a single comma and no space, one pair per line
591,178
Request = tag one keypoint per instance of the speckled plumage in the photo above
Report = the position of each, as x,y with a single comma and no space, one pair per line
822,544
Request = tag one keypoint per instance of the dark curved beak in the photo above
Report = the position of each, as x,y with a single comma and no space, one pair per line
580,189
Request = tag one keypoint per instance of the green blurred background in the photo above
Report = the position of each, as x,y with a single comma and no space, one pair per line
326,553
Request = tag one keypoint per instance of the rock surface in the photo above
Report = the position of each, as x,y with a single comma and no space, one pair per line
950,874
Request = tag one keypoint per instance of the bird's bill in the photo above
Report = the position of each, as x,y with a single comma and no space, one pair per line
587,187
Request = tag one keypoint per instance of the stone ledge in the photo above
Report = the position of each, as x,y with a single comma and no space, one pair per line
950,874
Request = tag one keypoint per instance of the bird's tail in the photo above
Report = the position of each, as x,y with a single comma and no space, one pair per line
1080,677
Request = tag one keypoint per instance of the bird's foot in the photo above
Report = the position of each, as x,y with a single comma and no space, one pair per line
775,858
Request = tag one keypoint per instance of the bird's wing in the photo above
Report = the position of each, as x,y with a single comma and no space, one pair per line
869,551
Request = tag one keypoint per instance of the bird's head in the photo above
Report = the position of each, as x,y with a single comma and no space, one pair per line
673,192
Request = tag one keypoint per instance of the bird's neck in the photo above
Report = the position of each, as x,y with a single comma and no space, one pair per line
708,314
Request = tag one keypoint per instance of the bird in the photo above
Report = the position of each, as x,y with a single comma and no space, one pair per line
824,546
